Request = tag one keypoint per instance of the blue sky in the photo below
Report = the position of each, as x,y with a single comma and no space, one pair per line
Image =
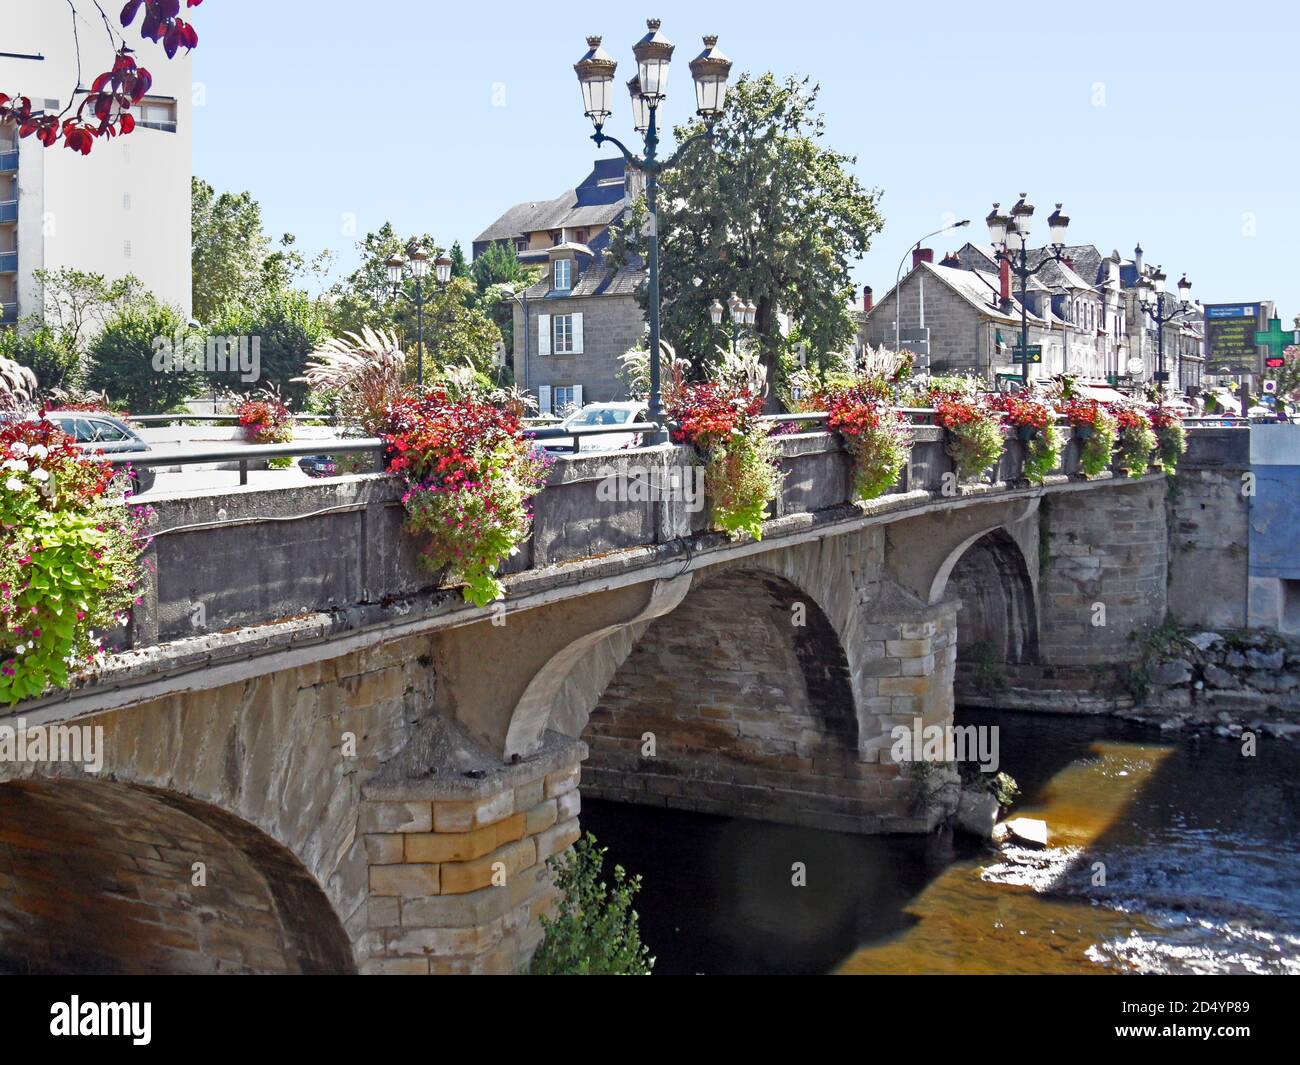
1173,125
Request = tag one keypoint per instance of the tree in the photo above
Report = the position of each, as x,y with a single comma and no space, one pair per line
766,212
459,267
498,264
288,326
228,249
123,361
365,298
105,109
456,332
77,304
55,363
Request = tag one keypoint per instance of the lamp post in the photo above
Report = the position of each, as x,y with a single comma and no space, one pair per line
595,70
740,312
1010,235
898,277
1151,298
418,261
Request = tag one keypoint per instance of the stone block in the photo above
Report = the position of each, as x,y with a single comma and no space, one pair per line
407,881
461,877
469,814
395,817
556,838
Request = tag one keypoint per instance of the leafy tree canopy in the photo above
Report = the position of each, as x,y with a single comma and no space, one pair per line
122,361
767,212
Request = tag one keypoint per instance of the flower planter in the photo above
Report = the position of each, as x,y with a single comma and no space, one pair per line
1083,432
1026,434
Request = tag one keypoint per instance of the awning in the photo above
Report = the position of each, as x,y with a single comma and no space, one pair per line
1101,393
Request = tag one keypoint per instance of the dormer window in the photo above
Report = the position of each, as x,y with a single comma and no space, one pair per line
563,275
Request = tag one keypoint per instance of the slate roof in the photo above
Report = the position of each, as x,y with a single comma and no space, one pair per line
596,280
597,201
978,287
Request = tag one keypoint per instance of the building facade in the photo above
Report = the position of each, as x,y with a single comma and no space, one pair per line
1084,312
574,324
122,209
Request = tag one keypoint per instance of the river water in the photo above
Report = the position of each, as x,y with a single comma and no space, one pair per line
1167,855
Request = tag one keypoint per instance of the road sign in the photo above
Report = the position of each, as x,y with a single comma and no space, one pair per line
1230,345
1035,353
917,341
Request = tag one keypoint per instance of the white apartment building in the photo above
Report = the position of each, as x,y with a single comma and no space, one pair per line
123,209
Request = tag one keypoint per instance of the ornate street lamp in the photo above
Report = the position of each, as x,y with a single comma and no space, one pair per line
1010,235
742,314
1151,298
654,52
417,259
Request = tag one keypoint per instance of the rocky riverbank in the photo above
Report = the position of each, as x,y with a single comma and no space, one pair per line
1225,682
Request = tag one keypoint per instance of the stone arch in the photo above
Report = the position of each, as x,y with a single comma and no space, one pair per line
747,689
98,877
989,574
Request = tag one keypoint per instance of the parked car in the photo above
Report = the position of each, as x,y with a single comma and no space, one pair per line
600,414
94,431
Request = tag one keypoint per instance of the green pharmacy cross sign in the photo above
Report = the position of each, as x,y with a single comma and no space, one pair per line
1275,338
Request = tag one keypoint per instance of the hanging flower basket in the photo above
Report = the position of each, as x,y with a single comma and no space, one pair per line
1026,433
1083,432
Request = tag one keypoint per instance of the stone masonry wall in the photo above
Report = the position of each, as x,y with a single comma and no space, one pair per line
458,874
1102,551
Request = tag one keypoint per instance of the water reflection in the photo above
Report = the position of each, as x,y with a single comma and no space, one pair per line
1197,845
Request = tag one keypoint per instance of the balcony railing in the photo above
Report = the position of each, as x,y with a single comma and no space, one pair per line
8,161
8,262
9,211
8,312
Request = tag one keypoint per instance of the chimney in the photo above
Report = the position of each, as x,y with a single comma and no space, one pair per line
951,259
922,255
1004,279
1137,259
868,301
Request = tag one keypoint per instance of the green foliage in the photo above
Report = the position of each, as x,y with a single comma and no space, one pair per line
122,361
1134,449
988,676
595,932
67,562
1095,455
498,264
457,332
289,325
768,212
1042,455
227,249
459,265
78,304
742,480
54,361
1171,444
975,446
365,298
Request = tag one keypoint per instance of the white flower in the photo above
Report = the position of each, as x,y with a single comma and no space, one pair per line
15,464
18,448
14,484
39,451
41,475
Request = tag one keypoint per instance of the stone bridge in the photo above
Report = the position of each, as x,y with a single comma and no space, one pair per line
316,760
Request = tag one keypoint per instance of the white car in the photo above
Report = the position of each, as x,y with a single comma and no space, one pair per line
598,415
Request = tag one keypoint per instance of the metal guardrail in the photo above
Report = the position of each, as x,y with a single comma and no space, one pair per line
577,434
246,453
325,419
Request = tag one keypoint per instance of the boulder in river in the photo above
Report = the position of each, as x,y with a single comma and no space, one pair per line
1028,830
977,813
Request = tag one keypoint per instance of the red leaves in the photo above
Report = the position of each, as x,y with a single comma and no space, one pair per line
161,23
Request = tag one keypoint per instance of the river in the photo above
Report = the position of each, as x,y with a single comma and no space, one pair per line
1198,845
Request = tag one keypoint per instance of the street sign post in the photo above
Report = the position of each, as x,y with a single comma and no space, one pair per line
1230,332
1035,353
